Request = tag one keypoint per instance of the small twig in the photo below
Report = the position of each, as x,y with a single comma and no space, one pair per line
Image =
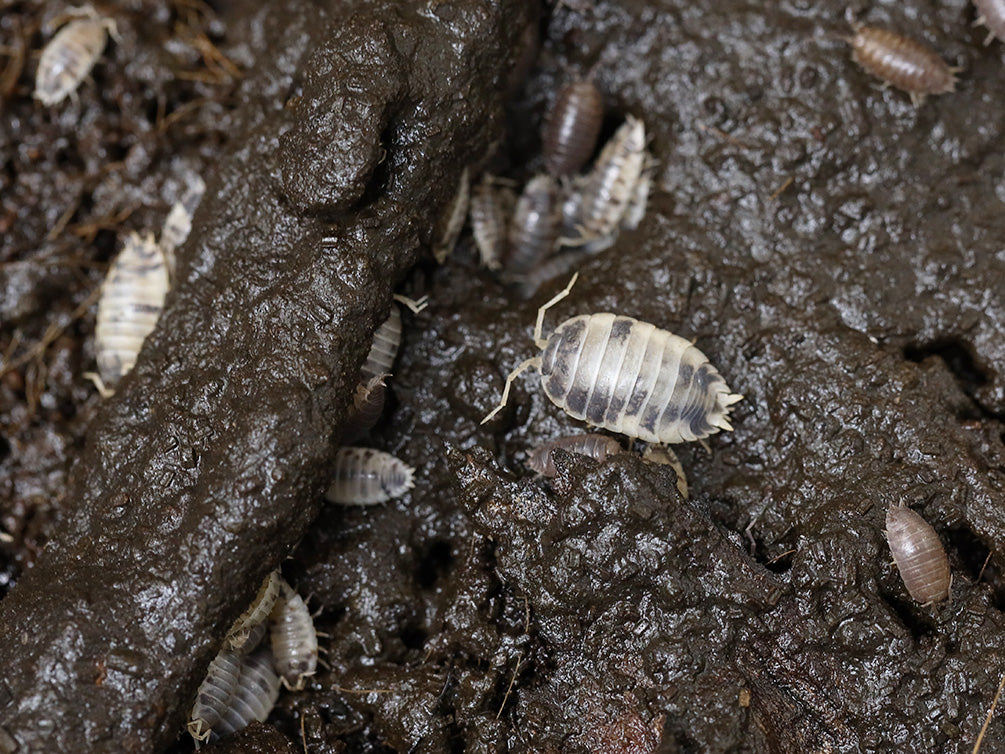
343,690
780,189
779,557
986,561
991,712
510,687
723,135
51,333
303,734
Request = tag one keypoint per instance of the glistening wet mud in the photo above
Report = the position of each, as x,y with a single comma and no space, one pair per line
834,251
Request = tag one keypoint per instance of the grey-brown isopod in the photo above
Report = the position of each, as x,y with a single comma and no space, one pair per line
991,13
132,297
570,134
902,62
214,695
254,696
490,209
364,476
257,612
919,555
609,188
597,447
534,229
627,376
294,640
70,55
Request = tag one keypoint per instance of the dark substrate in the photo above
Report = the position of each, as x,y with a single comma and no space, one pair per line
837,253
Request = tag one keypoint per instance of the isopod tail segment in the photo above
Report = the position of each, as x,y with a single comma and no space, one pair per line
540,341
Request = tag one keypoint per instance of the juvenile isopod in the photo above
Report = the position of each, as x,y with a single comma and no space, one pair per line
386,340
491,206
294,640
627,376
132,297
70,56
449,228
549,269
903,62
367,406
364,476
597,447
919,555
573,126
991,13
258,611
636,209
609,188
178,223
534,228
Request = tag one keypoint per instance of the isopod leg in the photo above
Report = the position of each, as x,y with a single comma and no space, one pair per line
539,325
534,362
415,306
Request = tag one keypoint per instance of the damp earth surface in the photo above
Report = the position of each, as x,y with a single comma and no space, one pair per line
834,250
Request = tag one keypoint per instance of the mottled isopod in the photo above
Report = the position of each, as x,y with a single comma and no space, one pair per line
132,297
70,56
597,447
919,555
254,696
448,230
491,206
534,228
570,135
364,476
901,61
294,640
628,376
257,612
991,13
178,223
611,184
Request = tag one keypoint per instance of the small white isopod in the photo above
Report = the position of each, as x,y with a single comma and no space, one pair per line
448,229
294,640
386,340
254,696
70,55
628,376
132,297
364,476
490,210
215,692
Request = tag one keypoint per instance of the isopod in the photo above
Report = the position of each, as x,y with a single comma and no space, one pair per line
132,297
597,447
549,269
452,222
636,209
386,340
364,476
254,696
214,695
627,376
991,13
535,225
490,209
367,406
919,555
294,640
573,126
903,62
611,184
70,55
178,223
258,611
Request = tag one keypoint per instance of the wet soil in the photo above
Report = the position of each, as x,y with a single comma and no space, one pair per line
834,250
